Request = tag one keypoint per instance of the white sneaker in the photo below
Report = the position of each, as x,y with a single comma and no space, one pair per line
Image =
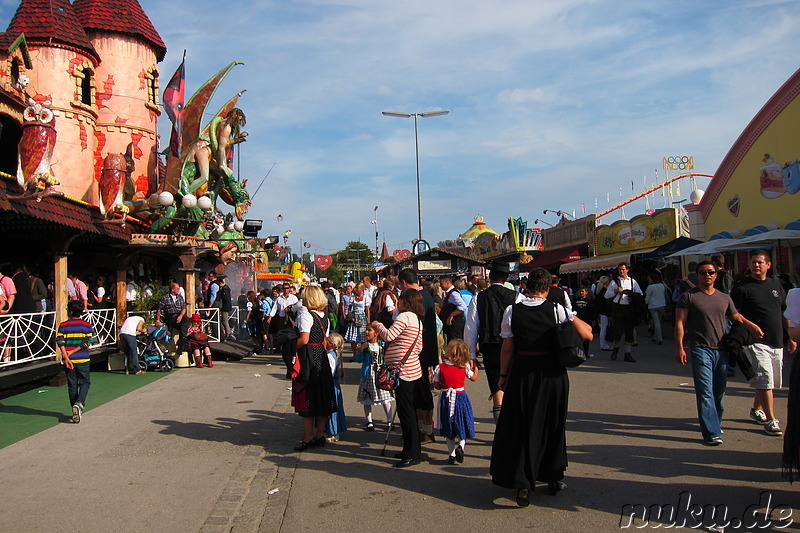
758,415
771,427
76,413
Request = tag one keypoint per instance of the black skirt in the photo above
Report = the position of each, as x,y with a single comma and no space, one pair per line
530,439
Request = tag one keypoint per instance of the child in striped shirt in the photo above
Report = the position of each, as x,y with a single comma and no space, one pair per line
73,342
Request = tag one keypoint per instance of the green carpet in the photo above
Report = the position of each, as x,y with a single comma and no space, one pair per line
30,412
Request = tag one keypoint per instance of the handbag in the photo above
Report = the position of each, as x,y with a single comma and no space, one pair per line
387,377
570,347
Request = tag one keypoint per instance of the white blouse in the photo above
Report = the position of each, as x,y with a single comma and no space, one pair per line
562,314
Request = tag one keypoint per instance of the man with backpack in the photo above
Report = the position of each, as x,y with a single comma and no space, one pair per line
621,292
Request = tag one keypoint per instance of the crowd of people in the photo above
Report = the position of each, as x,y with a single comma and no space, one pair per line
441,333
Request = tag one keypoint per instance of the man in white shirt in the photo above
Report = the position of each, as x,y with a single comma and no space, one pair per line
619,292
279,318
127,333
484,315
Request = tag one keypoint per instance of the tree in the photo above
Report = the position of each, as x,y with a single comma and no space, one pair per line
356,258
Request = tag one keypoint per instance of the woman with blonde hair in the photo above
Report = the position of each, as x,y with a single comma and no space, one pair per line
313,393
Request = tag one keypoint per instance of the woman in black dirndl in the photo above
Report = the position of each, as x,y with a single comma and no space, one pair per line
314,399
530,439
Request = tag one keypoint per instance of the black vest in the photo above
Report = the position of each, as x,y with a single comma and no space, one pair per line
492,303
534,327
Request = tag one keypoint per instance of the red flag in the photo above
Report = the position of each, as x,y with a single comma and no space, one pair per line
174,96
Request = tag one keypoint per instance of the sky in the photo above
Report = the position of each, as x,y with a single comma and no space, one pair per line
553,105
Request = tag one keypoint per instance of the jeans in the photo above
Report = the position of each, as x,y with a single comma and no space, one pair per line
131,358
710,370
78,383
657,313
604,344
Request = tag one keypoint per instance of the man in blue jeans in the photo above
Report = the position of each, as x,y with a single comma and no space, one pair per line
73,338
700,319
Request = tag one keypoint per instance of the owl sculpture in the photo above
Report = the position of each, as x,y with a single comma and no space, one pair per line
36,148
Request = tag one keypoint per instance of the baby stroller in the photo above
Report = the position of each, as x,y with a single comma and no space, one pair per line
152,353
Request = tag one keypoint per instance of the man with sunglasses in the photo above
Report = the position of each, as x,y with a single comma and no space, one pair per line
762,300
700,320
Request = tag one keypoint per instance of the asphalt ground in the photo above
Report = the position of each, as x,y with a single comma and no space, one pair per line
211,450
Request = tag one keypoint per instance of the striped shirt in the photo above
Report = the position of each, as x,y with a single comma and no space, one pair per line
406,327
74,335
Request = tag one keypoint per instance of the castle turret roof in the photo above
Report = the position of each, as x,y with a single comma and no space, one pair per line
121,16
50,22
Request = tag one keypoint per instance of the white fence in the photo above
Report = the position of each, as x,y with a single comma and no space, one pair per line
29,337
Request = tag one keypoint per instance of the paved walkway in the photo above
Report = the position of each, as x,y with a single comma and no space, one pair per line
210,450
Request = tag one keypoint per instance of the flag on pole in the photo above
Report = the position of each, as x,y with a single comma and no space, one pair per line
174,97
583,208
595,202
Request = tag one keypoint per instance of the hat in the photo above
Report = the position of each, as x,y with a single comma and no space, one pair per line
196,318
497,266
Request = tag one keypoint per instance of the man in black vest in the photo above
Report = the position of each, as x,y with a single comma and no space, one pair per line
453,310
484,315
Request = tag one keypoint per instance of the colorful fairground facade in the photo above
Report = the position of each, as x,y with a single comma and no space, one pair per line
85,187
517,246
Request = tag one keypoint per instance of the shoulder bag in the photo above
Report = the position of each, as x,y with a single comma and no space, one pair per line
570,347
387,377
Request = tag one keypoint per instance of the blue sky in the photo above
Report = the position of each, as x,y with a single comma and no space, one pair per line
552,104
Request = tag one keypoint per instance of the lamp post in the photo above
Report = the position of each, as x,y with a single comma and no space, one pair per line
416,152
375,222
559,213
542,221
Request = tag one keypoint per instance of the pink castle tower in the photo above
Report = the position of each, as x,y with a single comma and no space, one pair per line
64,62
127,86
95,61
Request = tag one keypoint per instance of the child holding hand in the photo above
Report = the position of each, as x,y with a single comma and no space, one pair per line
455,410
370,355
337,422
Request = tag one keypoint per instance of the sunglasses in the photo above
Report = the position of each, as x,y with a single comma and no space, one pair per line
707,272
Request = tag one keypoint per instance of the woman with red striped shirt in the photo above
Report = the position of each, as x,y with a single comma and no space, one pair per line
405,337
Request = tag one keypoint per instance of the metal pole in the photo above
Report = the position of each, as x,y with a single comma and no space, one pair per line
419,193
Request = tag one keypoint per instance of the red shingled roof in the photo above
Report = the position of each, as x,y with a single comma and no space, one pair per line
122,16
50,21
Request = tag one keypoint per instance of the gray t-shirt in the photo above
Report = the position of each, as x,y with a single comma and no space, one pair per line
705,320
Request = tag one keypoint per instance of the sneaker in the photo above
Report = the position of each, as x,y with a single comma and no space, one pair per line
77,410
714,441
771,427
614,354
629,358
758,415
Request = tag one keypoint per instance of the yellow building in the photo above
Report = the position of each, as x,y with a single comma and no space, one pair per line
755,188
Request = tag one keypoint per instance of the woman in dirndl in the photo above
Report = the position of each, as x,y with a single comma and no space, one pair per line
313,399
357,318
530,441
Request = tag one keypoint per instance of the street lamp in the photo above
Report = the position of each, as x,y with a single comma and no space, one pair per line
559,213
542,221
416,151
375,221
